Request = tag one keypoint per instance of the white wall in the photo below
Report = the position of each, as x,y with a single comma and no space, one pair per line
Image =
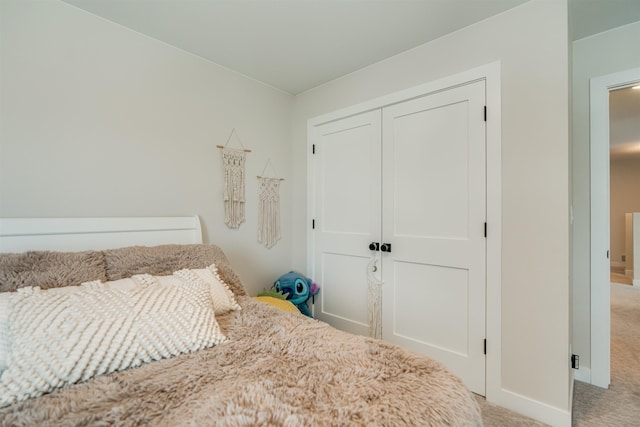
599,55
531,43
98,120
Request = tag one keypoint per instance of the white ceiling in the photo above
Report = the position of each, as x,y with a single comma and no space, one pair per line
295,45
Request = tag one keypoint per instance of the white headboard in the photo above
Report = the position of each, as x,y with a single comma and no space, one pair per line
80,234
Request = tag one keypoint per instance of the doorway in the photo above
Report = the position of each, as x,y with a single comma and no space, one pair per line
600,221
624,173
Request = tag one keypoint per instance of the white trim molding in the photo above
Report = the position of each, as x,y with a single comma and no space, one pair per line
535,409
583,374
600,374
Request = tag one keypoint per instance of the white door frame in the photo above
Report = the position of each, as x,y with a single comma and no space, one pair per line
600,263
491,73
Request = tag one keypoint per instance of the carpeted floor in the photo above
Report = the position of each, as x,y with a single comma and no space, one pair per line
619,406
495,416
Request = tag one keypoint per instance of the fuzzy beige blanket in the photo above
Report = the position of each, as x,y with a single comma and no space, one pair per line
277,368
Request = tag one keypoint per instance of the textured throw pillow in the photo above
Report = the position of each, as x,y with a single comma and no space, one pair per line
223,299
6,302
221,296
60,338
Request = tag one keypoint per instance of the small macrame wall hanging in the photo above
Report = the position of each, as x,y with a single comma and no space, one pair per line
269,208
374,300
233,160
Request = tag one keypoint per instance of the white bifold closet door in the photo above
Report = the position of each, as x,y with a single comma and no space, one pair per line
411,175
347,218
434,216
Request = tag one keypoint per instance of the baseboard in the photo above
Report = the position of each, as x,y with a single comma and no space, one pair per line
572,386
532,408
582,374
636,282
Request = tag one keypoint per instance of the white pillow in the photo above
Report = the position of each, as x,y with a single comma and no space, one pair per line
7,300
60,338
223,299
221,295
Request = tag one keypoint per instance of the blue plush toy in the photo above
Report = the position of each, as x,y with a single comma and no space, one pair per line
298,289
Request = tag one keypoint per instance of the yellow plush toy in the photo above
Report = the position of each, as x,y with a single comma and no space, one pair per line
282,304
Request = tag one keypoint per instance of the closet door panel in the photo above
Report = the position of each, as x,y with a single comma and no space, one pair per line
341,302
424,164
438,305
347,165
433,215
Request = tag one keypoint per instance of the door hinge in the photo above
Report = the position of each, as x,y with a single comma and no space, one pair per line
485,113
575,361
485,346
485,229
313,224
313,149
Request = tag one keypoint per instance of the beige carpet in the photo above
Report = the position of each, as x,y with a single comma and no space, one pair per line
495,416
619,406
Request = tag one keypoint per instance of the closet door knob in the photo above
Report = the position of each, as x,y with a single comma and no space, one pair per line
385,247
374,246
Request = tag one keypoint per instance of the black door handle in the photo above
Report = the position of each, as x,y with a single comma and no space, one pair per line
385,247
374,246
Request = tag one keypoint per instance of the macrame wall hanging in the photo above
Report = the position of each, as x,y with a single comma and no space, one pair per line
374,300
233,160
269,209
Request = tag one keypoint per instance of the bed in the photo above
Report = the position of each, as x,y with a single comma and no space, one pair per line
245,362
